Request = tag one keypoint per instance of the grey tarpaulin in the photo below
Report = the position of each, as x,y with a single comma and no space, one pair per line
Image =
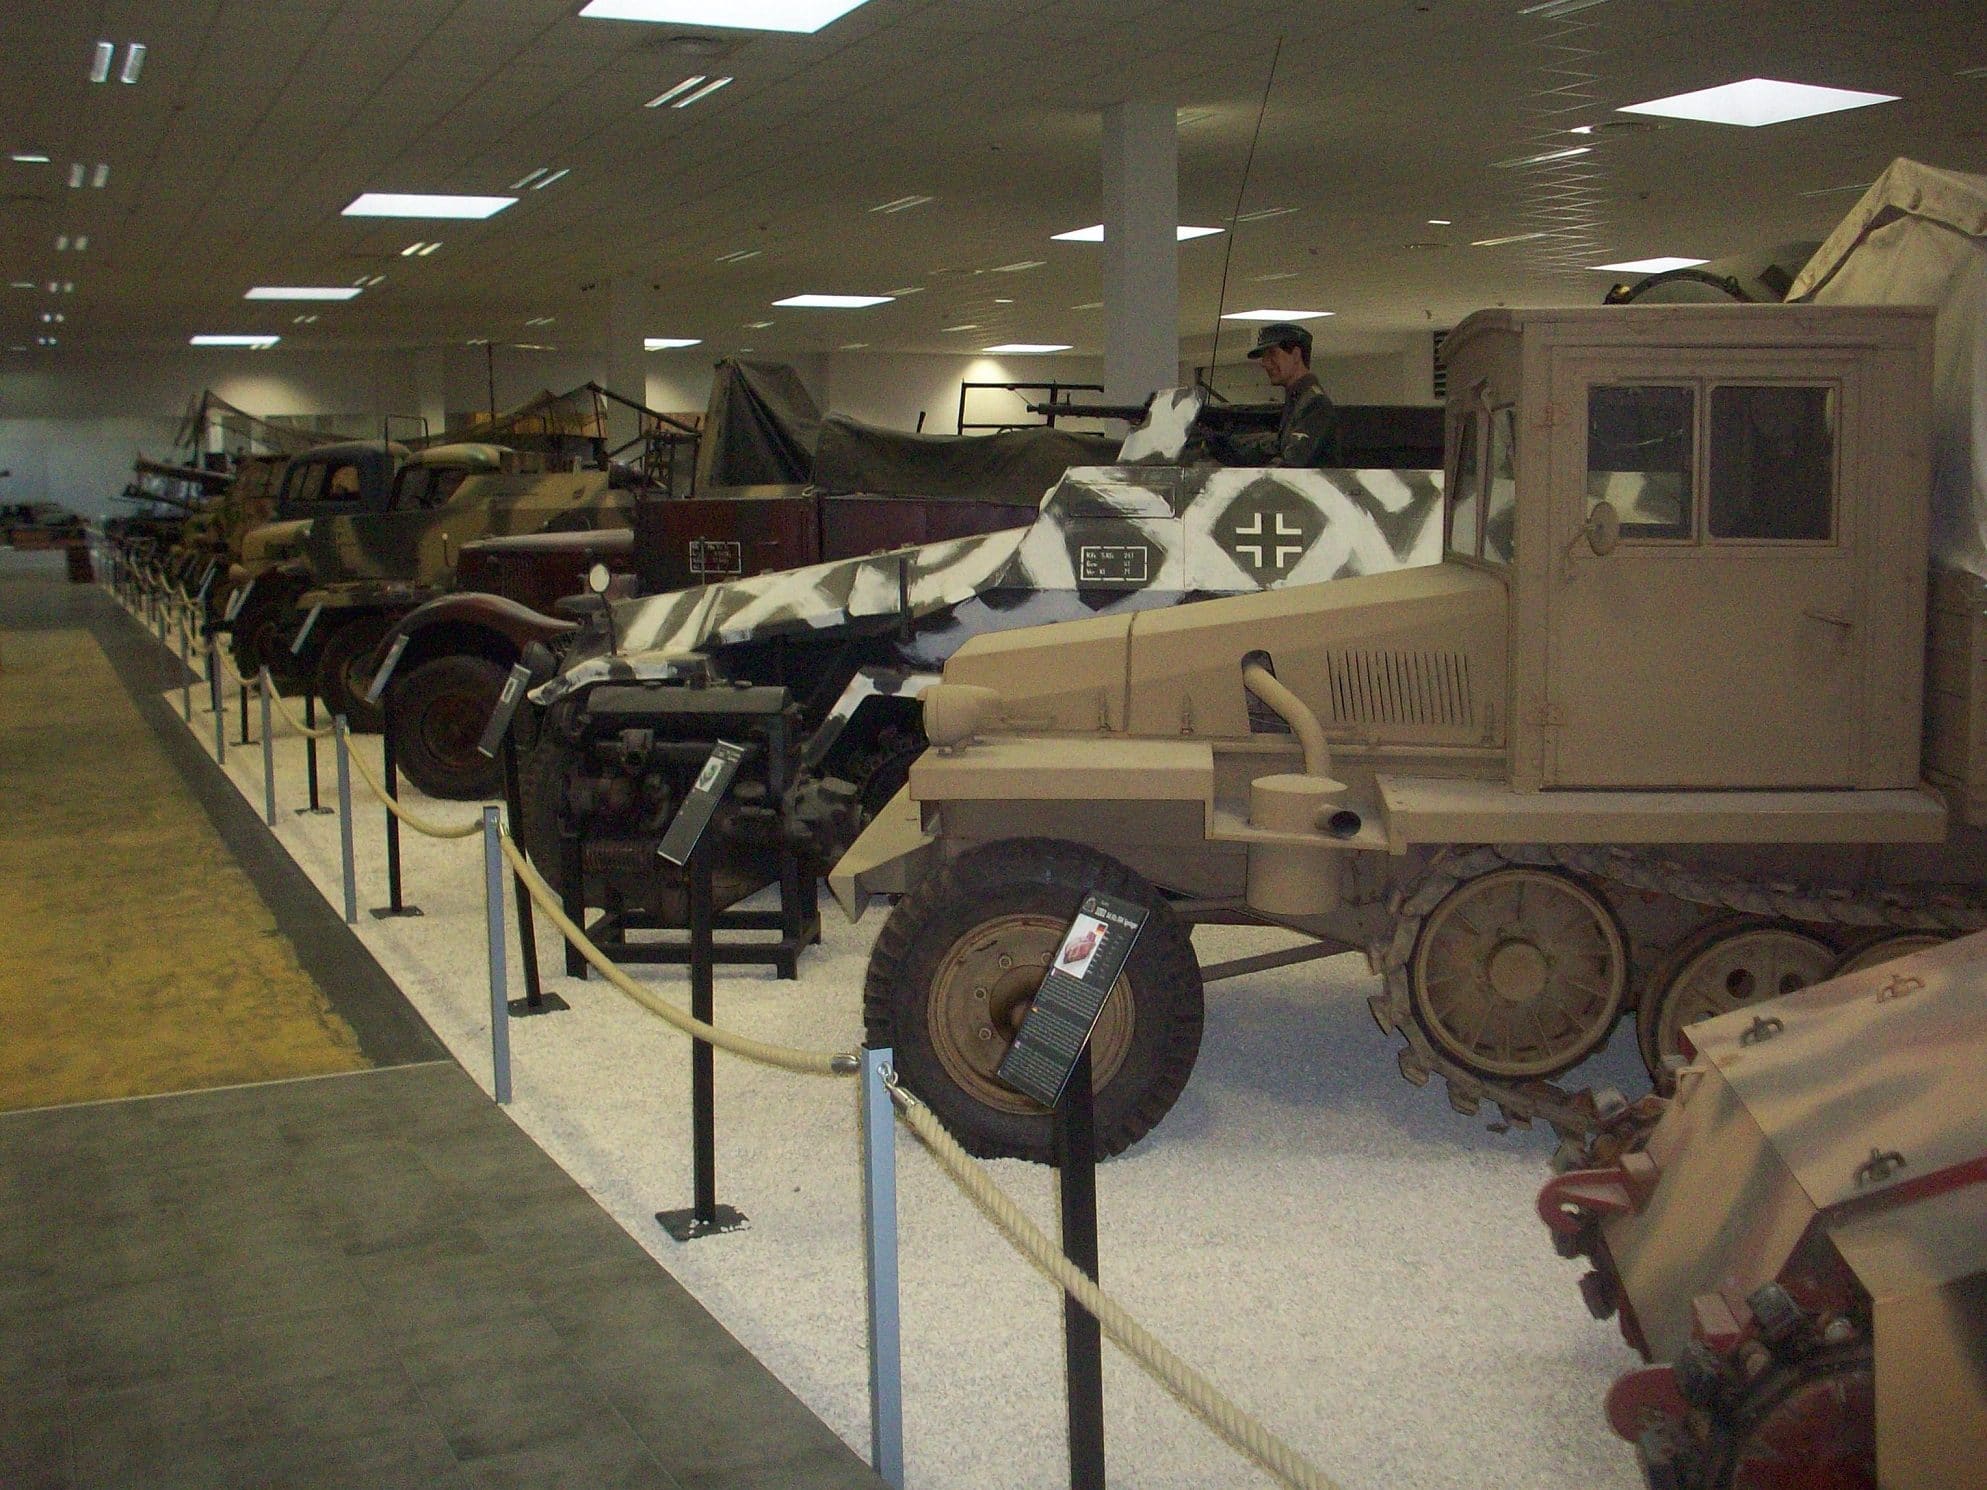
759,427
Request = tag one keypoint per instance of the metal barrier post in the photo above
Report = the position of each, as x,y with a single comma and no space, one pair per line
535,1000
244,740
310,754
1075,1133
500,1012
390,770
345,819
879,1205
220,726
268,751
185,677
214,673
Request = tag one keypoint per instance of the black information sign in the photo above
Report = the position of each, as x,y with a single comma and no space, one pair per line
500,717
238,600
1086,965
377,688
695,814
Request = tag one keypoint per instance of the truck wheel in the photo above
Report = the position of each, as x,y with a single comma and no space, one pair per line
1519,973
440,711
345,672
261,639
1732,963
957,965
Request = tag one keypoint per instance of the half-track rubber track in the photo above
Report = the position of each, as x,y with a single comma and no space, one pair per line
1576,1115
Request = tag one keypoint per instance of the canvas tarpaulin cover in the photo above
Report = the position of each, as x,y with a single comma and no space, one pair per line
759,427
1015,466
1919,237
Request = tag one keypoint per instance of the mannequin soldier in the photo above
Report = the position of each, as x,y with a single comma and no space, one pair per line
1307,435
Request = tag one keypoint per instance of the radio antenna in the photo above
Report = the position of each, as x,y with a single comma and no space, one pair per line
1234,220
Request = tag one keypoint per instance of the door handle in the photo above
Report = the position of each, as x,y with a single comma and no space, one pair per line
1827,620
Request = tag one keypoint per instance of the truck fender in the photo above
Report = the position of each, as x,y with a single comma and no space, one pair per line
868,683
893,854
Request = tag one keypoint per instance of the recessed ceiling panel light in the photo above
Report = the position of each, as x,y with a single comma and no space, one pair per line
967,326
558,175
1508,238
62,243
101,175
526,179
1753,102
78,173
902,204
1545,157
541,321
105,54
833,302
1263,214
418,204
233,341
1019,266
303,320
803,16
676,91
134,62
739,255
82,242
757,325
1029,348
1649,266
1278,315
303,292
998,300
68,287
29,158
428,248
1439,222
669,343
1095,232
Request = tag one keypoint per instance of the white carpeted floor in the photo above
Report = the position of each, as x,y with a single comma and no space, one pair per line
1352,1261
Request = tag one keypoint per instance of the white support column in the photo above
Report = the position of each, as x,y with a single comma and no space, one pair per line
431,387
622,363
1141,250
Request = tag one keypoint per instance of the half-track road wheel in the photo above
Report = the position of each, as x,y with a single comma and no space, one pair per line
1887,949
344,673
440,710
1519,973
1733,963
955,970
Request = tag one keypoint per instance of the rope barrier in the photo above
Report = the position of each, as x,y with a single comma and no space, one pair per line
323,732
806,1062
419,825
1194,1391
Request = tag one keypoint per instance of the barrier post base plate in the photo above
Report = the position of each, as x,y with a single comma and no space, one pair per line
686,1226
548,1003
316,811
388,912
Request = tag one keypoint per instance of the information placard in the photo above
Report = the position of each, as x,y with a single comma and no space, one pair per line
303,636
237,600
377,688
1080,977
695,814
500,717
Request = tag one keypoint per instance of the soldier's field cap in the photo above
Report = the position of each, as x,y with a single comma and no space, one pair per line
1281,334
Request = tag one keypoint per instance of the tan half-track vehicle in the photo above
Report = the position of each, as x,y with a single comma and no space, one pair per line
1656,736
1800,1247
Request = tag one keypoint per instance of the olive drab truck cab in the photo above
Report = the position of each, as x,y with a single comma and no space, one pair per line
1649,738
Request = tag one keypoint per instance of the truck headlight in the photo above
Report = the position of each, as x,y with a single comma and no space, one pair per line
956,712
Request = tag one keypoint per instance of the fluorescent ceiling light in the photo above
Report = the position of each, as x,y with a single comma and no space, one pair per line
1089,305
1509,238
1019,266
739,255
61,242
1545,157
1263,214
902,204
1029,348
804,16
1439,222
29,158
1263,279
671,94
76,174
100,63
101,176
418,204
1552,10
998,300
757,325
1650,266
1756,101
669,343
557,175
22,284
1095,232
134,62
903,290
310,320
968,326
1278,315
542,321
234,341
833,302
702,93
367,281
1829,191
302,292
852,346
418,250
526,179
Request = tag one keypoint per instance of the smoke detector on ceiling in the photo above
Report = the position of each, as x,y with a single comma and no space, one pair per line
705,48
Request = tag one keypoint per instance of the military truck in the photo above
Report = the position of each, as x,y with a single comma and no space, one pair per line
1658,734
330,481
362,573
855,641
1800,1246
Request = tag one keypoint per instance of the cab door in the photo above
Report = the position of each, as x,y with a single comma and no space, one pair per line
1719,642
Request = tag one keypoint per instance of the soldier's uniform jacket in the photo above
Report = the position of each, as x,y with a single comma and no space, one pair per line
1308,434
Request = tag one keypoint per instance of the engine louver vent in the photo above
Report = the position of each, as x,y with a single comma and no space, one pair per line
1425,688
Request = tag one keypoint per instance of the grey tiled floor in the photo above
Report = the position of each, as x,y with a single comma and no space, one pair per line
358,1281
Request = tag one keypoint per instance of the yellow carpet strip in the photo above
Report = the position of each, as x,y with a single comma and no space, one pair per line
135,956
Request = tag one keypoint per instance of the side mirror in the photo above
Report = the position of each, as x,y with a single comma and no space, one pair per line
1602,529
598,579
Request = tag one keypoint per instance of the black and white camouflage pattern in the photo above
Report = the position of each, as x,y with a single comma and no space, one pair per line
1107,539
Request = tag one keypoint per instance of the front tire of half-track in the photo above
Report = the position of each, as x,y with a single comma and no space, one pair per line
440,710
956,966
344,674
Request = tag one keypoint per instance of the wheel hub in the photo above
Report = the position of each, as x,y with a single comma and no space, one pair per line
1517,972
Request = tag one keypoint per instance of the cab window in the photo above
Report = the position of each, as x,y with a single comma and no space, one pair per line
1500,517
1465,482
342,484
1772,462
1641,446
306,483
